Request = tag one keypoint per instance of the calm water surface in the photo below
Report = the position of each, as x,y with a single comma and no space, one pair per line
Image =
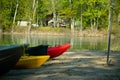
77,43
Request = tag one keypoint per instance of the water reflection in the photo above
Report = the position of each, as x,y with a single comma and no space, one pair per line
91,43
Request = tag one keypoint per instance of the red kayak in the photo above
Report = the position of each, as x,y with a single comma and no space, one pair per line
45,50
57,50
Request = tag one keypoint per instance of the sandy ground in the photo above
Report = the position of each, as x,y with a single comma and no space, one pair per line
72,65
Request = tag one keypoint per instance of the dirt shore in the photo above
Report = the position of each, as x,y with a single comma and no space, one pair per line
72,65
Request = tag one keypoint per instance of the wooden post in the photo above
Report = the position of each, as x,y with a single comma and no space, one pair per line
110,29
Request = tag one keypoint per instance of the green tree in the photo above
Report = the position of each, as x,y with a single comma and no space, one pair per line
6,14
89,13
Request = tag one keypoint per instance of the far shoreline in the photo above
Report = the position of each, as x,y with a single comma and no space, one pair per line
81,34
61,31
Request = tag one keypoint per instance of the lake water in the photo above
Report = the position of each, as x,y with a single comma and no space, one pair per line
77,43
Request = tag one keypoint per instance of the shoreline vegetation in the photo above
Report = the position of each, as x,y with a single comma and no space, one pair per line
59,31
63,31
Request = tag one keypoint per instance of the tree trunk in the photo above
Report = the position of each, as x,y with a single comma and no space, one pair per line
81,25
34,9
91,25
97,23
14,18
72,25
54,12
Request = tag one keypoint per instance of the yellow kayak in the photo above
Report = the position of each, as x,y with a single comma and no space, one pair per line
29,62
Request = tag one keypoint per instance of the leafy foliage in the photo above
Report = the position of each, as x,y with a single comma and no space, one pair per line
90,11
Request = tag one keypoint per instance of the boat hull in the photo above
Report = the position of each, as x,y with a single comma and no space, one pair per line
30,62
37,50
45,50
9,56
57,50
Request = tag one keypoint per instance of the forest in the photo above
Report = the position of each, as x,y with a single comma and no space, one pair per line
80,14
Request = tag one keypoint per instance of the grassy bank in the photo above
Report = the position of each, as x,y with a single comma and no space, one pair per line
65,31
57,31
